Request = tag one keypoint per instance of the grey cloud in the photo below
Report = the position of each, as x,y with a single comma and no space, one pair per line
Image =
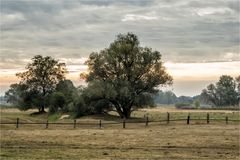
113,2
73,29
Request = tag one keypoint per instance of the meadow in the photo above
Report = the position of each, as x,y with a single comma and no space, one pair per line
158,140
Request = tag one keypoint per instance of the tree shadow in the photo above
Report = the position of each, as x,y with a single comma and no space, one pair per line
38,113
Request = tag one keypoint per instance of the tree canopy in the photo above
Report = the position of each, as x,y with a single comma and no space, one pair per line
41,77
225,92
124,72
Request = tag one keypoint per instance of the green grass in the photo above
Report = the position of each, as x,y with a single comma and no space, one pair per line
54,117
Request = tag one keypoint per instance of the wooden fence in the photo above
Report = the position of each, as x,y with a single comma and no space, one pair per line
146,121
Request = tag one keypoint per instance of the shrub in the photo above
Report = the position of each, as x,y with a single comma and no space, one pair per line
57,101
197,104
78,107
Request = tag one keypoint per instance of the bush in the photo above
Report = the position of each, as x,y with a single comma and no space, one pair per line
57,101
99,106
78,108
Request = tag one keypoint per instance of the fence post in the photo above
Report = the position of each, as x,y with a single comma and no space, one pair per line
46,125
188,119
207,118
124,123
100,124
17,123
74,123
146,121
168,117
226,119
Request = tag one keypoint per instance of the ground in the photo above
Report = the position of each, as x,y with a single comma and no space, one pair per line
176,140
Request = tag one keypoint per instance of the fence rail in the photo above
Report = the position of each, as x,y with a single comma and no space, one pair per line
124,122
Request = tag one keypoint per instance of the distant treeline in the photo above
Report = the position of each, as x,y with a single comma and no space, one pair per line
226,92
168,97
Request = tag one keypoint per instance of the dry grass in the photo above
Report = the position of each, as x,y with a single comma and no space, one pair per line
153,142
173,109
157,141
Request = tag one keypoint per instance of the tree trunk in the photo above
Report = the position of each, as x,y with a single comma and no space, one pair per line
43,106
127,113
124,112
120,112
118,108
42,109
127,109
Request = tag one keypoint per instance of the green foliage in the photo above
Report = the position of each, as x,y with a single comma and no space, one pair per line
123,73
223,93
185,99
96,95
167,97
78,107
67,88
42,75
197,104
23,97
54,117
144,100
238,88
68,92
57,101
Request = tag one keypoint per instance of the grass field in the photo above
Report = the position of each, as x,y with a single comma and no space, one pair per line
156,141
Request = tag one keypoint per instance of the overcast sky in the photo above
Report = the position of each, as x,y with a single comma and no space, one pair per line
198,39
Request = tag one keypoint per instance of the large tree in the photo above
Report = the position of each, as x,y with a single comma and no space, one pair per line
42,75
124,73
223,93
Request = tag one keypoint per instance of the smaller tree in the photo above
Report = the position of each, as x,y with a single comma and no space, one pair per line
24,98
226,88
223,93
210,95
42,75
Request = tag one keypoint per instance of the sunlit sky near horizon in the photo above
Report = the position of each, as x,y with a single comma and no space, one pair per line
198,39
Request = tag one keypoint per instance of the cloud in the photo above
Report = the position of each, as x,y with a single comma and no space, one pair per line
206,71
229,56
8,19
76,28
210,11
135,17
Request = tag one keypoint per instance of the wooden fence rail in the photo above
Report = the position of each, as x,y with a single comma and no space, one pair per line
124,122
